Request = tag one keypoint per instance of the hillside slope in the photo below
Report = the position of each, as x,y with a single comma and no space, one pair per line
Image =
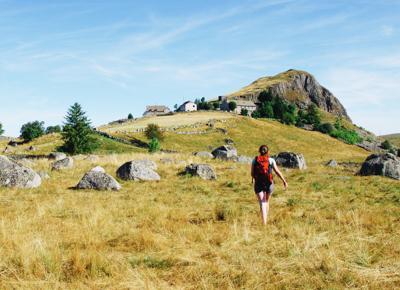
295,86
392,138
247,134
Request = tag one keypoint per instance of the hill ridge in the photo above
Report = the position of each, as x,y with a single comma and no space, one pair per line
296,86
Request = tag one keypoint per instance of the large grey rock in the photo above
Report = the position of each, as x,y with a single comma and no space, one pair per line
99,180
57,156
244,159
146,163
203,154
134,170
382,164
225,152
204,171
15,175
291,160
332,163
62,164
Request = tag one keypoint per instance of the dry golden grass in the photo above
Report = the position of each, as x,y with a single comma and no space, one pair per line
178,119
331,229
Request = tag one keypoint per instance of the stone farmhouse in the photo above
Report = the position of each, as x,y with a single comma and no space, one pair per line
250,106
156,111
188,106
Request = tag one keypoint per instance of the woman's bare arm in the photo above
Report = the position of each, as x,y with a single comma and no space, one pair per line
279,173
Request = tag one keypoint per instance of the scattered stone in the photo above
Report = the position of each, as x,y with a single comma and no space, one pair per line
134,170
32,148
99,180
244,159
332,163
13,143
204,154
15,175
204,171
225,152
146,163
6,150
291,160
65,163
57,156
382,164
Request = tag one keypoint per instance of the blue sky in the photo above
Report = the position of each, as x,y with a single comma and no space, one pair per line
115,57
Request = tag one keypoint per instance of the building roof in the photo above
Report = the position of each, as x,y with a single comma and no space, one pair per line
187,102
157,108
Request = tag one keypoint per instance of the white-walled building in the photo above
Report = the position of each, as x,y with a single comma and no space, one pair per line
188,106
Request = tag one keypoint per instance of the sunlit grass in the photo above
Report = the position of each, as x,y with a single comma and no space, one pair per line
330,229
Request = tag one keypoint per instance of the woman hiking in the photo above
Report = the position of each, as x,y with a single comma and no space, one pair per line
261,173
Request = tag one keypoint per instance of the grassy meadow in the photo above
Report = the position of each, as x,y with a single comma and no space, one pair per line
331,229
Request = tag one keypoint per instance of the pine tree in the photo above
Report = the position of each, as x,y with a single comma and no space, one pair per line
130,116
1,129
77,133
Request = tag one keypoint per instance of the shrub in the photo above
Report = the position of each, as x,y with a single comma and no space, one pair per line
348,136
232,106
386,145
1,129
313,117
77,133
130,116
154,131
154,145
326,128
244,112
53,129
32,130
215,105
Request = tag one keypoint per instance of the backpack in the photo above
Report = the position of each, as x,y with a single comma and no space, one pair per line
262,169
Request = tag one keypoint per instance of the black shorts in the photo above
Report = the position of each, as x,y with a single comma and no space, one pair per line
263,187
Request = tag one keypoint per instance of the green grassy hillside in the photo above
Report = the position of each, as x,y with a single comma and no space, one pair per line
248,134
392,138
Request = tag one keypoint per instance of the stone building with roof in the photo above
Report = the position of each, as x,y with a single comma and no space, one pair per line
156,110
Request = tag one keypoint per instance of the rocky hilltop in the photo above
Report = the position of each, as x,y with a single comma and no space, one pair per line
295,86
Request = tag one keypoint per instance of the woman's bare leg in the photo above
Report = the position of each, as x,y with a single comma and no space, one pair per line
263,199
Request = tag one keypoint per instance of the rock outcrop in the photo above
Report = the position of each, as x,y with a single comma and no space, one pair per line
57,156
15,175
98,179
134,170
294,86
62,164
244,159
204,154
332,163
203,171
382,164
291,160
225,152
